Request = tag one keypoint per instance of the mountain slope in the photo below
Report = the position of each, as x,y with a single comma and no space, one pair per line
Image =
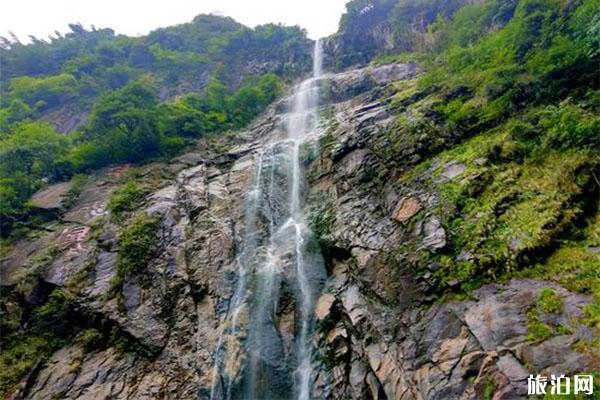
453,193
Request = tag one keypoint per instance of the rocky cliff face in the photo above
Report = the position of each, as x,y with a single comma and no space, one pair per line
370,29
383,331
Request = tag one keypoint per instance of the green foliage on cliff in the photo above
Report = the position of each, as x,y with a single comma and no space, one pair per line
29,154
549,301
125,125
43,92
49,329
539,75
375,28
194,115
32,332
126,199
511,94
83,64
218,73
138,241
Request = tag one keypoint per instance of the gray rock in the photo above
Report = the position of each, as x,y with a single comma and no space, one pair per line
354,304
52,197
193,188
104,271
435,235
452,170
395,72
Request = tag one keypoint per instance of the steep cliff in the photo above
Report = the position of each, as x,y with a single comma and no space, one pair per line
384,330
445,210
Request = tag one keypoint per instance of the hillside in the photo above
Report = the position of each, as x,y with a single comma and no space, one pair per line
128,99
420,221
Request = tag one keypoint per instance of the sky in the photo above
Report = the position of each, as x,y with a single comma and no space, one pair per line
137,17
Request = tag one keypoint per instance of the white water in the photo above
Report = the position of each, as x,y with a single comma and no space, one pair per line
273,254
305,106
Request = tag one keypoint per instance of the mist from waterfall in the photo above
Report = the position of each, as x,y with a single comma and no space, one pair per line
277,268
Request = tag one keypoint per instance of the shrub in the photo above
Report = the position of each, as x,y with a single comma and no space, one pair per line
567,125
126,199
89,339
18,358
44,91
77,183
138,243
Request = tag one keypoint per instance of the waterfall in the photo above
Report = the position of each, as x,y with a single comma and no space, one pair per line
307,106
276,267
318,59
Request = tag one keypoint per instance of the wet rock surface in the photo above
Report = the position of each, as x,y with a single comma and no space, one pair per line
397,341
379,333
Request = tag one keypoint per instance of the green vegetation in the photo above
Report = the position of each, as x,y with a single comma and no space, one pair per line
29,154
138,245
536,329
507,210
510,94
549,301
126,125
89,339
138,242
573,265
32,332
77,183
489,389
117,79
48,332
41,92
322,222
20,358
98,60
126,199
194,115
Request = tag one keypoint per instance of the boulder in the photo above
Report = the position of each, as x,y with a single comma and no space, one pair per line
52,197
406,208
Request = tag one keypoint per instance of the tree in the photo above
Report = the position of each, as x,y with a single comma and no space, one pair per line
16,111
49,90
127,119
27,155
31,148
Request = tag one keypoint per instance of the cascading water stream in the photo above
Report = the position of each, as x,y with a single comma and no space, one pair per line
251,359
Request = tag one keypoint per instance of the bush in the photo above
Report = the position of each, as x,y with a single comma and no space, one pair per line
138,244
536,329
50,317
126,199
568,125
49,90
18,358
77,183
89,339
16,111
217,110
27,156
